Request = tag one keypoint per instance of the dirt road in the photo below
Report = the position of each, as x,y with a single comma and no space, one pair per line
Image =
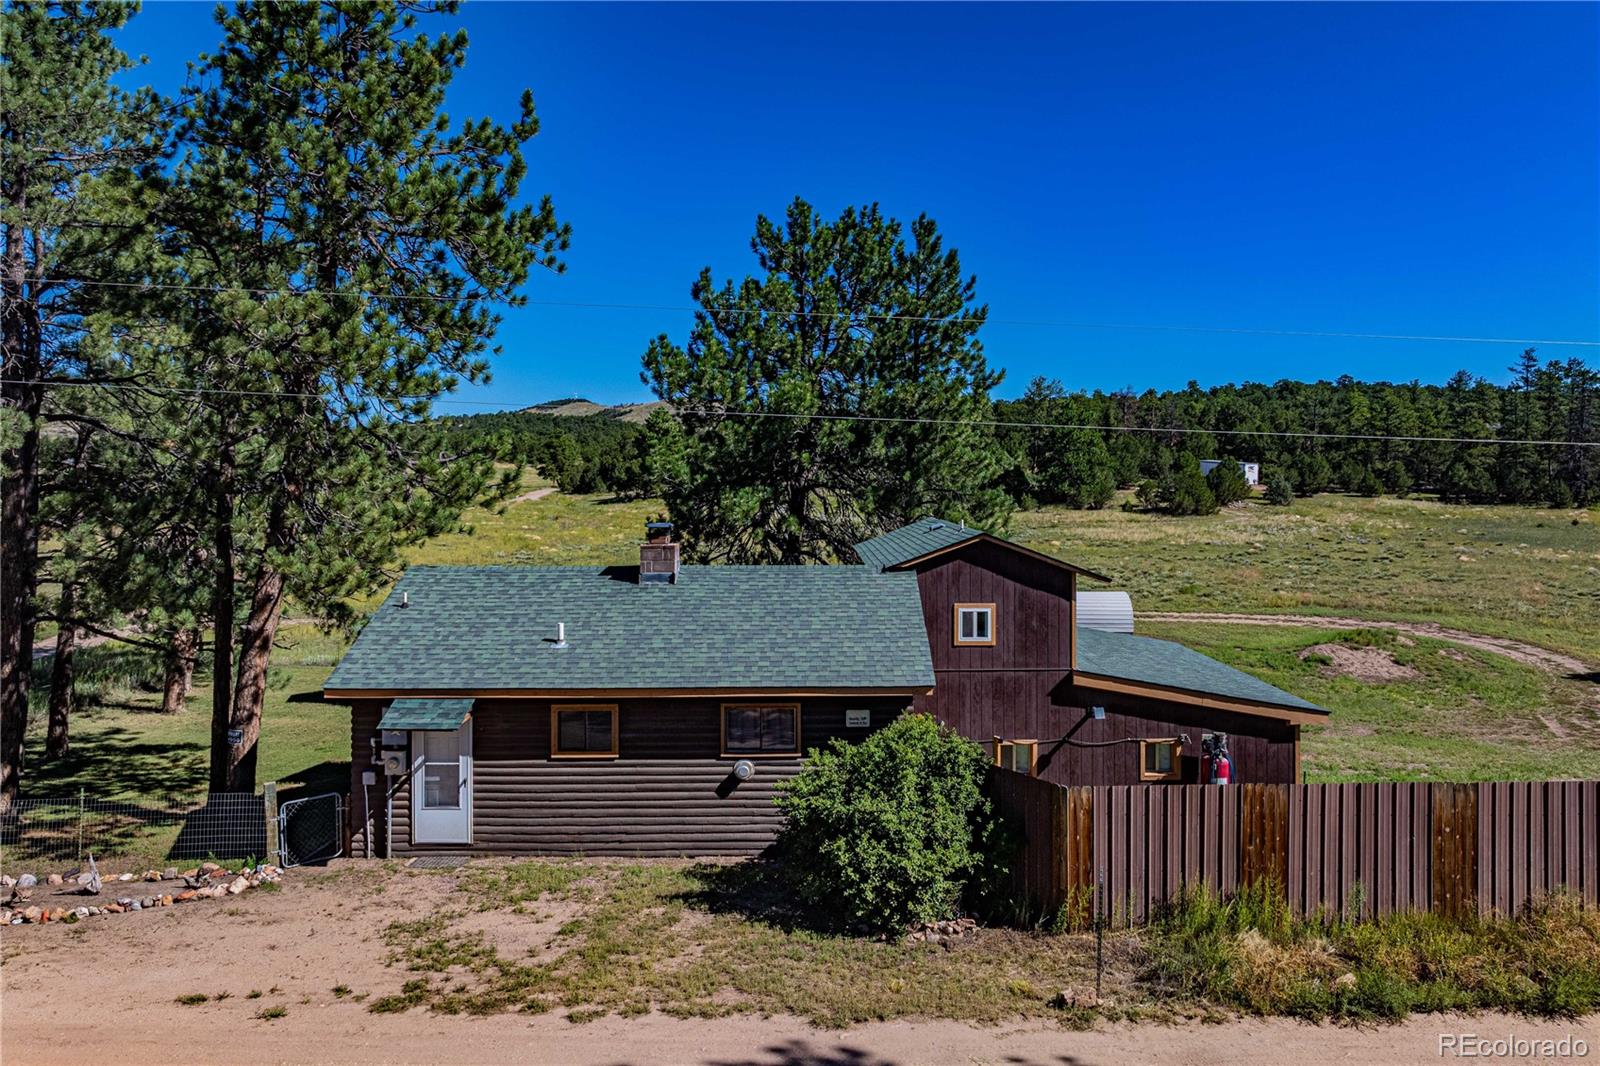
1529,654
345,1034
105,990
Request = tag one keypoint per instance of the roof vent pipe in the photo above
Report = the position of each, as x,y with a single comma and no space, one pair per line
561,634
405,599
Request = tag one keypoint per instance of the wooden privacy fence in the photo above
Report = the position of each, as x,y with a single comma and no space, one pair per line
1352,850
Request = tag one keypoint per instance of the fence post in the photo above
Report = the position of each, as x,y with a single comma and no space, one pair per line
80,822
269,805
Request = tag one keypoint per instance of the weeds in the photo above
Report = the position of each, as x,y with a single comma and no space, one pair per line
192,999
1251,954
268,1014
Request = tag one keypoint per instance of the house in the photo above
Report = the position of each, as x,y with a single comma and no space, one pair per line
652,708
1252,471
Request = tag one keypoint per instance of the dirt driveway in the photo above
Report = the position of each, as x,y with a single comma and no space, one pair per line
106,990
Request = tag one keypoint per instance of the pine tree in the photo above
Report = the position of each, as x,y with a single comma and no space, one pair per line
1227,482
855,317
357,246
69,139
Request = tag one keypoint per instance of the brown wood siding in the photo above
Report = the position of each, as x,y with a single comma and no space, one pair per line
1021,688
1045,707
669,791
1032,624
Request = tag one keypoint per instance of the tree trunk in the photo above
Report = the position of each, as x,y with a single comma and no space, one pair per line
19,500
250,690
222,607
62,677
183,647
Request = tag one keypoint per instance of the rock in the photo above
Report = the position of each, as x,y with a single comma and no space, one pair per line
84,878
1345,980
1074,999
53,879
169,874
124,877
210,867
152,875
136,906
238,885
185,896
125,902
166,901
31,914
113,908
59,914
148,901
6,880
27,881
81,912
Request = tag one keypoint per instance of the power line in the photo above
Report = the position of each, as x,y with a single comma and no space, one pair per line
847,315
899,420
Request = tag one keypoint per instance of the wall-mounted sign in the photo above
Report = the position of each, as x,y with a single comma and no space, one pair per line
235,737
858,719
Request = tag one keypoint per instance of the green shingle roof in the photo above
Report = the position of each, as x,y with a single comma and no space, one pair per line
1161,662
493,627
410,712
913,541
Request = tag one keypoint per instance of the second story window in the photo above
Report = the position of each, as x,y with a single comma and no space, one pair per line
974,623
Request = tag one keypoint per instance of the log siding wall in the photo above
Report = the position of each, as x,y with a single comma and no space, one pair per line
668,792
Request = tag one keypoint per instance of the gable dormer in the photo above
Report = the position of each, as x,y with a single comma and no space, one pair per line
988,603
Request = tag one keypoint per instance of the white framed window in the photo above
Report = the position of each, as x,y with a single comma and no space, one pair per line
974,623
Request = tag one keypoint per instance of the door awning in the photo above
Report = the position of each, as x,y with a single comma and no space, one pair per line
437,713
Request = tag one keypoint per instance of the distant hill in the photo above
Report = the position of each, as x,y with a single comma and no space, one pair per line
578,407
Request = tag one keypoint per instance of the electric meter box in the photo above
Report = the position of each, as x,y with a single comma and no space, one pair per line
394,738
394,763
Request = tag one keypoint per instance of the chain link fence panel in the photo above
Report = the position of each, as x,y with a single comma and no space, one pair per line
223,825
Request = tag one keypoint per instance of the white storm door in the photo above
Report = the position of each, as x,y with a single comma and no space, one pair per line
441,786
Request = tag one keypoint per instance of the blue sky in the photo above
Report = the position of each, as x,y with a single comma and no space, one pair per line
1401,169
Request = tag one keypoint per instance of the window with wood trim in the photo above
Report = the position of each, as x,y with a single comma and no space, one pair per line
974,623
760,729
583,730
1160,759
1019,755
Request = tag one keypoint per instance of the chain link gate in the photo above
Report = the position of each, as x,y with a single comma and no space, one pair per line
311,829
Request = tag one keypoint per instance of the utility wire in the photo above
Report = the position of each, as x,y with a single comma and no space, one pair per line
848,315
898,420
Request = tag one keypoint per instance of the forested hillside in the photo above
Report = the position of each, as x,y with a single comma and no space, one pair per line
1146,433
1149,437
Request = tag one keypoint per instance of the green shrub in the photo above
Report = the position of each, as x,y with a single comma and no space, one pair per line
1184,490
1227,483
1280,490
888,831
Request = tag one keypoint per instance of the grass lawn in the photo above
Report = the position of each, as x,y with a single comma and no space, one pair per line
698,940
1516,572
1461,715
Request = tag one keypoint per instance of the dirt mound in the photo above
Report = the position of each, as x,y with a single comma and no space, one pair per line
1363,664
